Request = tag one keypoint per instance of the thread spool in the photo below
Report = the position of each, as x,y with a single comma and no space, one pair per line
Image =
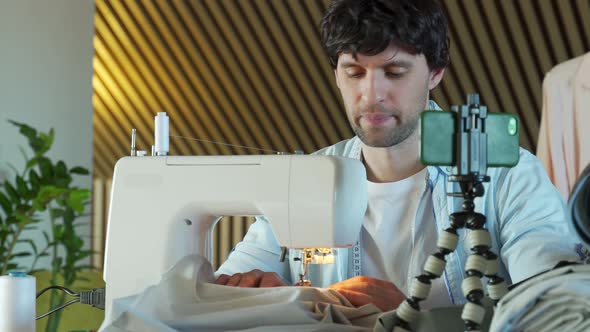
17,302
161,133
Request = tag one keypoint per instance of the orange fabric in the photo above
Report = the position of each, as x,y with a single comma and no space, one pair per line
564,136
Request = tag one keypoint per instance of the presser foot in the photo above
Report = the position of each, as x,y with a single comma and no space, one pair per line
303,283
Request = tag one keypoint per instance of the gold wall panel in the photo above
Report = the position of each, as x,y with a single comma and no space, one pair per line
253,72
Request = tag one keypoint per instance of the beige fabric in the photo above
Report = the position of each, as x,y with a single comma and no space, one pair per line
185,300
558,300
564,136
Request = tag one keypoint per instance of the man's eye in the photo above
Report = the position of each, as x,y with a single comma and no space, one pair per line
394,74
354,74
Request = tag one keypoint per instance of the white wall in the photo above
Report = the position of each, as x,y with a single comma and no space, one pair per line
46,80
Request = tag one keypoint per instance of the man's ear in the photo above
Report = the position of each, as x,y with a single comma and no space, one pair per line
336,77
435,77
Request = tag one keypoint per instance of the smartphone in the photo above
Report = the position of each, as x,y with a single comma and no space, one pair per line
438,131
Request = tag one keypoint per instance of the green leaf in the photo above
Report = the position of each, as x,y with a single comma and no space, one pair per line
20,254
14,196
34,180
79,170
23,214
60,169
58,232
46,168
63,181
31,163
76,199
46,141
46,236
6,204
27,131
56,213
21,185
30,242
11,219
46,195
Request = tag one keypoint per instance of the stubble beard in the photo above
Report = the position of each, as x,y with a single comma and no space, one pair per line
389,137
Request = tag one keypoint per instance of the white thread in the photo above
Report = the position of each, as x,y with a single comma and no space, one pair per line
406,312
476,262
496,291
479,237
419,289
492,267
473,312
470,284
17,303
447,240
434,265
227,144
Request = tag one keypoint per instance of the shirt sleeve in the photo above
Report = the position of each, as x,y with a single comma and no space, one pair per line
258,250
533,230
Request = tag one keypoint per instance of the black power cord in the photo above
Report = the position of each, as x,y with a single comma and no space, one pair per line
94,297
579,206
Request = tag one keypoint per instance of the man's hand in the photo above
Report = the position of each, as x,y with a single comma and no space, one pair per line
363,290
254,278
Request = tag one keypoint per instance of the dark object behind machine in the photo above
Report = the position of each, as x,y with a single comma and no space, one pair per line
579,206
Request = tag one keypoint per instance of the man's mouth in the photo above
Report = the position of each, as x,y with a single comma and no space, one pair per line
376,119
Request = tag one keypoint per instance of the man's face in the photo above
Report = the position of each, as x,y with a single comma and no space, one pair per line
384,94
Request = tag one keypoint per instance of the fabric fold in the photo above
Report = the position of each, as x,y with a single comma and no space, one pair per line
556,300
187,300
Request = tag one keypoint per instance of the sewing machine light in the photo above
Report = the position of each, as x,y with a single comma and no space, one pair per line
322,256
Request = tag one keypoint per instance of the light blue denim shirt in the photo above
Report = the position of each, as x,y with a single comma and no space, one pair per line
525,218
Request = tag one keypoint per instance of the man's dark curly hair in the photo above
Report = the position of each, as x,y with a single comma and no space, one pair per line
369,26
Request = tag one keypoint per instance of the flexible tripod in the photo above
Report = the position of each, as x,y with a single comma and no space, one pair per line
470,173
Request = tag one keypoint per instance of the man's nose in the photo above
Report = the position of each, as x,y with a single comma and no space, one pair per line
373,90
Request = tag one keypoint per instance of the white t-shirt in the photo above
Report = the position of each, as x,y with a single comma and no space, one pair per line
399,233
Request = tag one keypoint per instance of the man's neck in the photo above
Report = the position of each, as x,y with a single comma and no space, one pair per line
393,163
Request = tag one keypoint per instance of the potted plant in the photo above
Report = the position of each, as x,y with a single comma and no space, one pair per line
43,187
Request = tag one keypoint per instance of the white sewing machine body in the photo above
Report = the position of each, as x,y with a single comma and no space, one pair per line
164,208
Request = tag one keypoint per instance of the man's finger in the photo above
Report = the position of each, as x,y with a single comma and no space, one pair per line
271,280
361,282
234,280
222,279
357,299
250,279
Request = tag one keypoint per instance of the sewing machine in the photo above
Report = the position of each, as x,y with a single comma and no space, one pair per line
164,208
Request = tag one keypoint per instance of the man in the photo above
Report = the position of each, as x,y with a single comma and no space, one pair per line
387,55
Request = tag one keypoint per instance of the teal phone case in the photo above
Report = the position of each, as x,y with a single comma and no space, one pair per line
437,138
